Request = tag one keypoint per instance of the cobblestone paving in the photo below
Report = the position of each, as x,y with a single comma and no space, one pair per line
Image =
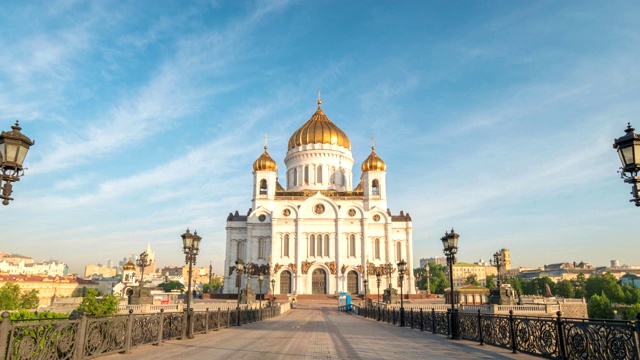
318,331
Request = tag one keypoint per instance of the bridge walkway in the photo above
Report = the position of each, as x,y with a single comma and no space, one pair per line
318,331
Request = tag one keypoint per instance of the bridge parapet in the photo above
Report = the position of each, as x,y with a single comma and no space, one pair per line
89,337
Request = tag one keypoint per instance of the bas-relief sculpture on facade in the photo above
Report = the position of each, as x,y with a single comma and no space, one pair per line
319,222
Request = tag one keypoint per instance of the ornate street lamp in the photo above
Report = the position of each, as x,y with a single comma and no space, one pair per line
378,280
273,291
628,147
260,280
14,146
426,270
190,247
401,271
498,262
239,270
365,282
143,261
210,278
450,244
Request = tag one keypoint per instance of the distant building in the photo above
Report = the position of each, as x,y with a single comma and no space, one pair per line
48,287
92,270
19,264
461,271
630,279
437,260
199,275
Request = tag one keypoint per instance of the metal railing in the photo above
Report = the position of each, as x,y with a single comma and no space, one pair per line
91,337
548,337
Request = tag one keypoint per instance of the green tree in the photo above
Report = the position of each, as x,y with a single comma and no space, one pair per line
171,285
516,284
472,279
29,299
439,280
565,289
579,286
12,299
491,281
92,306
216,283
630,312
599,307
607,284
420,276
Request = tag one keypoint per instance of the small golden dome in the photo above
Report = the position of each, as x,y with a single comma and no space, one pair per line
265,162
129,266
373,163
319,130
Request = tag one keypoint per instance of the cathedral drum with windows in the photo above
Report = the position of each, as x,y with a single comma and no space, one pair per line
320,235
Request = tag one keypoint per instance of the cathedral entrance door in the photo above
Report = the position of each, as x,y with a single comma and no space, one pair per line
352,282
285,282
318,282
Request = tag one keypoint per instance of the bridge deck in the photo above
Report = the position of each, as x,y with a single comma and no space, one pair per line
318,331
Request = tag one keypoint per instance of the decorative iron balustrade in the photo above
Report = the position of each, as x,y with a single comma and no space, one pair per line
547,337
91,337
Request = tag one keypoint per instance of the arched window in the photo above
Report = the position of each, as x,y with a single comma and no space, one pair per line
332,176
319,174
240,250
375,187
352,245
263,187
285,245
326,245
376,248
295,177
319,244
306,175
398,251
312,245
261,244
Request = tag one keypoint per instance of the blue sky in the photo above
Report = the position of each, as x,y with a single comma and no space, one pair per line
494,117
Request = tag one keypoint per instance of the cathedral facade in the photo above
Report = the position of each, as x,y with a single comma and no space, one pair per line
320,234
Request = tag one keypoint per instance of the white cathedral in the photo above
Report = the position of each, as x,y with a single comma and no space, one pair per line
320,235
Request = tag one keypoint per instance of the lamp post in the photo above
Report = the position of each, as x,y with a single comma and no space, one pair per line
143,261
401,271
365,281
210,278
14,146
450,244
497,262
628,148
190,247
273,291
378,280
239,270
260,280
428,275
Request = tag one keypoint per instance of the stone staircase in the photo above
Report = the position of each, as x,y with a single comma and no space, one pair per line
312,298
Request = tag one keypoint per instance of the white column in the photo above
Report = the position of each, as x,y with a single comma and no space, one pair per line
339,243
409,251
300,252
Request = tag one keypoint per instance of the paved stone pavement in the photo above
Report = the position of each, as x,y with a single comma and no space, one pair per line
318,331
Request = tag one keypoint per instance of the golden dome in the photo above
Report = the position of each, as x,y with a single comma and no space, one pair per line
129,266
319,130
265,162
373,163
